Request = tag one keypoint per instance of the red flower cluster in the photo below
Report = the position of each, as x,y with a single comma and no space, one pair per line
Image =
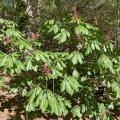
78,37
74,12
34,36
7,39
45,70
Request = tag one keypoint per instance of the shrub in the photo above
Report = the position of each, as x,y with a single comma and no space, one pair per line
72,68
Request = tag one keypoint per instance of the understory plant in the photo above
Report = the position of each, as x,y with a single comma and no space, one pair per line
71,69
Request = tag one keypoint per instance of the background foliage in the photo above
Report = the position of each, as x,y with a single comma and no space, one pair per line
60,62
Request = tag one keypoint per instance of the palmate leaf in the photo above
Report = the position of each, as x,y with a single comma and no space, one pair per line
74,83
44,103
76,111
56,73
54,28
58,104
111,106
53,103
68,88
12,63
62,36
40,55
57,36
50,100
88,49
74,60
30,107
59,66
19,67
106,63
95,45
46,100
83,108
90,27
61,105
101,107
35,94
18,39
56,107
8,23
14,33
82,29
65,85
3,60
76,57
75,73
29,65
38,99
116,88
69,84
23,45
51,22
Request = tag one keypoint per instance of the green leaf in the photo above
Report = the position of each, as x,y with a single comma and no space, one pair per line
75,73
76,111
44,103
51,22
59,66
63,86
105,62
69,88
111,106
101,108
4,60
37,56
82,29
53,102
62,106
57,36
38,99
24,92
74,84
68,104
83,108
74,60
80,58
76,57
13,90
97,45
56,28
70,84
29,65
30,108
88,49
43,57
63,37
93,46
104,48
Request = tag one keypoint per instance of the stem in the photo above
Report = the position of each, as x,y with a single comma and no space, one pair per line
53,86
46,84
